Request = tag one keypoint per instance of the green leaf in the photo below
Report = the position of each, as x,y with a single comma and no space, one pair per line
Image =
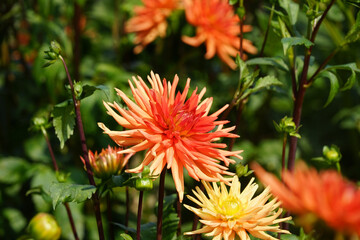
64,121
350,81
291,8
14,170
292,41
89,90
265,82
271,61
68,192
233,2
354,33
334,86
124,236
349,66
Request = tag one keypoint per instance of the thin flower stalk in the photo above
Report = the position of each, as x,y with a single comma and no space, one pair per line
95,196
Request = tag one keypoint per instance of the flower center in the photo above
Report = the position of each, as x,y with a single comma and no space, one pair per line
230,207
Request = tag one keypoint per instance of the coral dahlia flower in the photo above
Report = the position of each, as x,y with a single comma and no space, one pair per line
149,21
226,214
218,27
177,133
326,194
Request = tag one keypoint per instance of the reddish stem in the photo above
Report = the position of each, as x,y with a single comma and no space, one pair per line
95,196
160,205
138,225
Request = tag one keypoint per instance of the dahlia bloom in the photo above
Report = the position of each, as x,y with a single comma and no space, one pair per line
218,27
149,21
176,132
325,194
109,162
226,214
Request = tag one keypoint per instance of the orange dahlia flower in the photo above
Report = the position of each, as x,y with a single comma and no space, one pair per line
218,27
176,132
226,214
325,194
149,21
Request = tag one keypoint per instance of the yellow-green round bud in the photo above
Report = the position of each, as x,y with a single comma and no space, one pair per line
43,226
144,184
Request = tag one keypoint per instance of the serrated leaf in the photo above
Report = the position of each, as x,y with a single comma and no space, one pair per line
334,85
266,82
271,61
68,192
89,90
64,121
292,41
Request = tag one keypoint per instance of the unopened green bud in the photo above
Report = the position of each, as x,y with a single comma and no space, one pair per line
44,227
332,154
51,55
55,47
144,184
241,12
39,121
78,89
145,172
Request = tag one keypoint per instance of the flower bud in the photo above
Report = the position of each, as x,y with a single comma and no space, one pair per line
78,89
109,162
144,184
55,47
43,226
332,154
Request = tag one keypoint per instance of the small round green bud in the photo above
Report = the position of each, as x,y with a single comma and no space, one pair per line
39,121
240,12
144,184
52,55
44,227
55,47
78,89
145,172
332,155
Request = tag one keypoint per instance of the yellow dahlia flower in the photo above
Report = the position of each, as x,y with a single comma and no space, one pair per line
226,214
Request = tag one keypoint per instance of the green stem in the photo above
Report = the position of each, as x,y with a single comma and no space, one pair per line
160,204
95,196
267,31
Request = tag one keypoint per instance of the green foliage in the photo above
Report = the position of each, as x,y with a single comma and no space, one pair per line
293,41
68,192
64,121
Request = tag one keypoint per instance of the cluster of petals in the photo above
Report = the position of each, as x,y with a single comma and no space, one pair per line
227,214
149,21
109,162
326,194
176,132
218,27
